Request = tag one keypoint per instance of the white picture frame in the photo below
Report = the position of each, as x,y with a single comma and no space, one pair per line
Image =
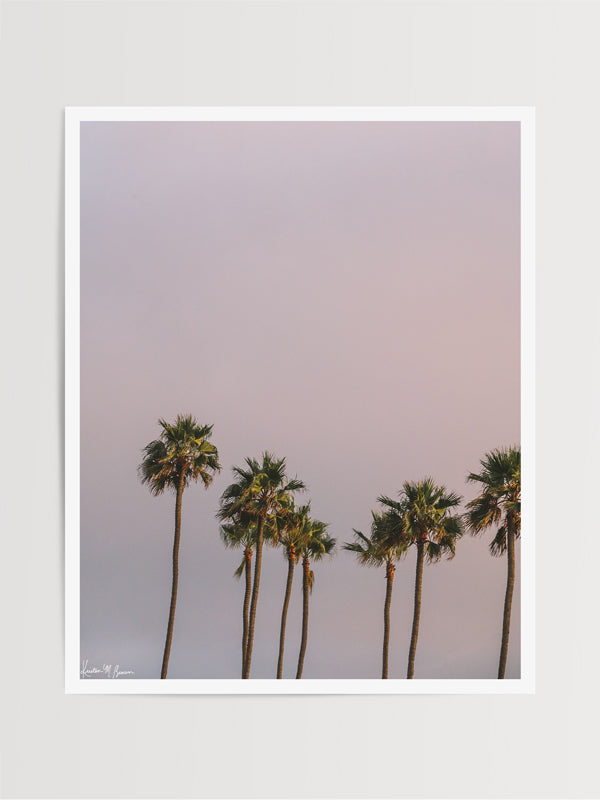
74,682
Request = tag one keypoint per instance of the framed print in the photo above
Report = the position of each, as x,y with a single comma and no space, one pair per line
299,383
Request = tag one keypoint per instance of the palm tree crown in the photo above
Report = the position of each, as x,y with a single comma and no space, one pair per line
290,527
387,542
317,543
240,533
260,490
424,509
500,500
183,451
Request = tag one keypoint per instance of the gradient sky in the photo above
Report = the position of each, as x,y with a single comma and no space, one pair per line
342,294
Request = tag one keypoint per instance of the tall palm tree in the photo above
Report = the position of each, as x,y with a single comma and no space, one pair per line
385,546
317,544
499,504
432,529
291,529
260,490
181,454
242,533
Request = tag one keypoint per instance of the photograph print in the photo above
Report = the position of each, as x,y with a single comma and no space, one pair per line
296,395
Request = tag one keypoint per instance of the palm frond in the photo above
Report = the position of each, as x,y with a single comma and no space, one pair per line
240,570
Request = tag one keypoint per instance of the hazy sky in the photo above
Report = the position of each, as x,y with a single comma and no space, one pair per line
343,294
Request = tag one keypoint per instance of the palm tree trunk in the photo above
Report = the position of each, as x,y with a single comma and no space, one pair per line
510,583
305,591
286,602
254,601
417,609
167,652
389,575
248,571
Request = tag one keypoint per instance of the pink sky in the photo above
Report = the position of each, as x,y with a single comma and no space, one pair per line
345,295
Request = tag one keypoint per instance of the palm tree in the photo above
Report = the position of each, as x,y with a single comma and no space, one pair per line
429,526
242,533
317,544
499,504
292,526
386,545
260,491
181,454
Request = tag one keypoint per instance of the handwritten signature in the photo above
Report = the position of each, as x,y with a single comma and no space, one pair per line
104,671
